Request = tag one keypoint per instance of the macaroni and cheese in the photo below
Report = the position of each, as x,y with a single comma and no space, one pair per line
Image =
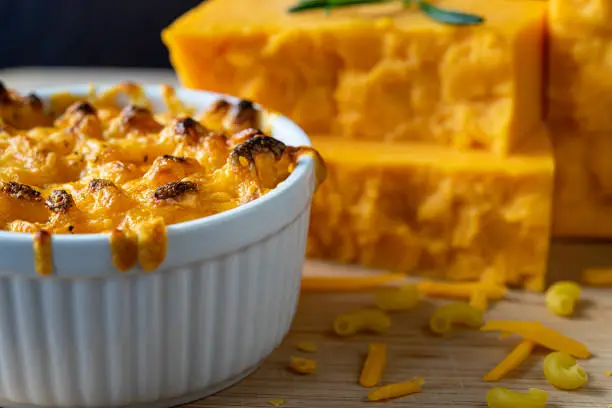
96,164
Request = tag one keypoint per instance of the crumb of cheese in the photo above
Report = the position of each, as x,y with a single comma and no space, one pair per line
279,402
307,346
301,365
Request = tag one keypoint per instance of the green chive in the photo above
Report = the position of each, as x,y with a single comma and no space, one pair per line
329,4
449,16
439,14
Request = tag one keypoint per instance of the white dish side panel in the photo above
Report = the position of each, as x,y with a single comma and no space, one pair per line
136,339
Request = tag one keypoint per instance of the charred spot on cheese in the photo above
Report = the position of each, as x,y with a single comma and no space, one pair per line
135,117
219,107
59,201
5,96
81,107
260,144
244,115
189,128
177,159
99,184
175,190
81,117
245,135
33,101
21,191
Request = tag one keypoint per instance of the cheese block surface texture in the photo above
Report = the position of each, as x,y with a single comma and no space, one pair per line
375,72
580,59
433,210
583,186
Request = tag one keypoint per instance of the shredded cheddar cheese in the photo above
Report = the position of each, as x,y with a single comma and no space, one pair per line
479,300
279,402
539,334
597,276
396,390
348,283
307,347
374,365
513,360
462,290
301,365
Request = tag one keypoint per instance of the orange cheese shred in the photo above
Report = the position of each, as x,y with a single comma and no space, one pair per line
374,365
513,360
307,347
479,300
348,283
539,334
461,289
396,390
303,366
597,276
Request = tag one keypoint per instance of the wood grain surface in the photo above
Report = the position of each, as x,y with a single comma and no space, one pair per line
452,366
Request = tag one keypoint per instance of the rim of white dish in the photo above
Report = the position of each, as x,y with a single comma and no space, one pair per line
304,165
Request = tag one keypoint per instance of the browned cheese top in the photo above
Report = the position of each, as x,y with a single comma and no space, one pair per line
106,163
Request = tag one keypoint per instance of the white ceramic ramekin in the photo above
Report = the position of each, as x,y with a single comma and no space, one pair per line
91,336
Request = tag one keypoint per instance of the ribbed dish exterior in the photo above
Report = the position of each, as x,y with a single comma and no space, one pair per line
144,338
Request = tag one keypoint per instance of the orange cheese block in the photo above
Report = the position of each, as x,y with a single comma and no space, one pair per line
435,211
580,59
583,191
374,72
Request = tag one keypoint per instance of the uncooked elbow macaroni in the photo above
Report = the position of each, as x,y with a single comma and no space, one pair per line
396,299
561,298
562,371
499,397
364,320
443,319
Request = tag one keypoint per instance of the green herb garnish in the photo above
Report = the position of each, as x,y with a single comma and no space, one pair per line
452,17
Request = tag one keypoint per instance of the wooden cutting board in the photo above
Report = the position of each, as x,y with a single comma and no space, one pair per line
453,367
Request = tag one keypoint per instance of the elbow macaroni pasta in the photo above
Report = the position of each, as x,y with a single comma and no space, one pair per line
444,317
396,299
499,397
364,320
396,390
302,365
562,371
561,298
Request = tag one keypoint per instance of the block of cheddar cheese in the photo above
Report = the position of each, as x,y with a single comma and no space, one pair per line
583,188
434,211
580,60
374,72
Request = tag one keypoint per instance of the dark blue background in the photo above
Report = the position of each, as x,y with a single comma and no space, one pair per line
86,32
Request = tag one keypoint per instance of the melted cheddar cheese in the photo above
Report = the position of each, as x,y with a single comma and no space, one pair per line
93,165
